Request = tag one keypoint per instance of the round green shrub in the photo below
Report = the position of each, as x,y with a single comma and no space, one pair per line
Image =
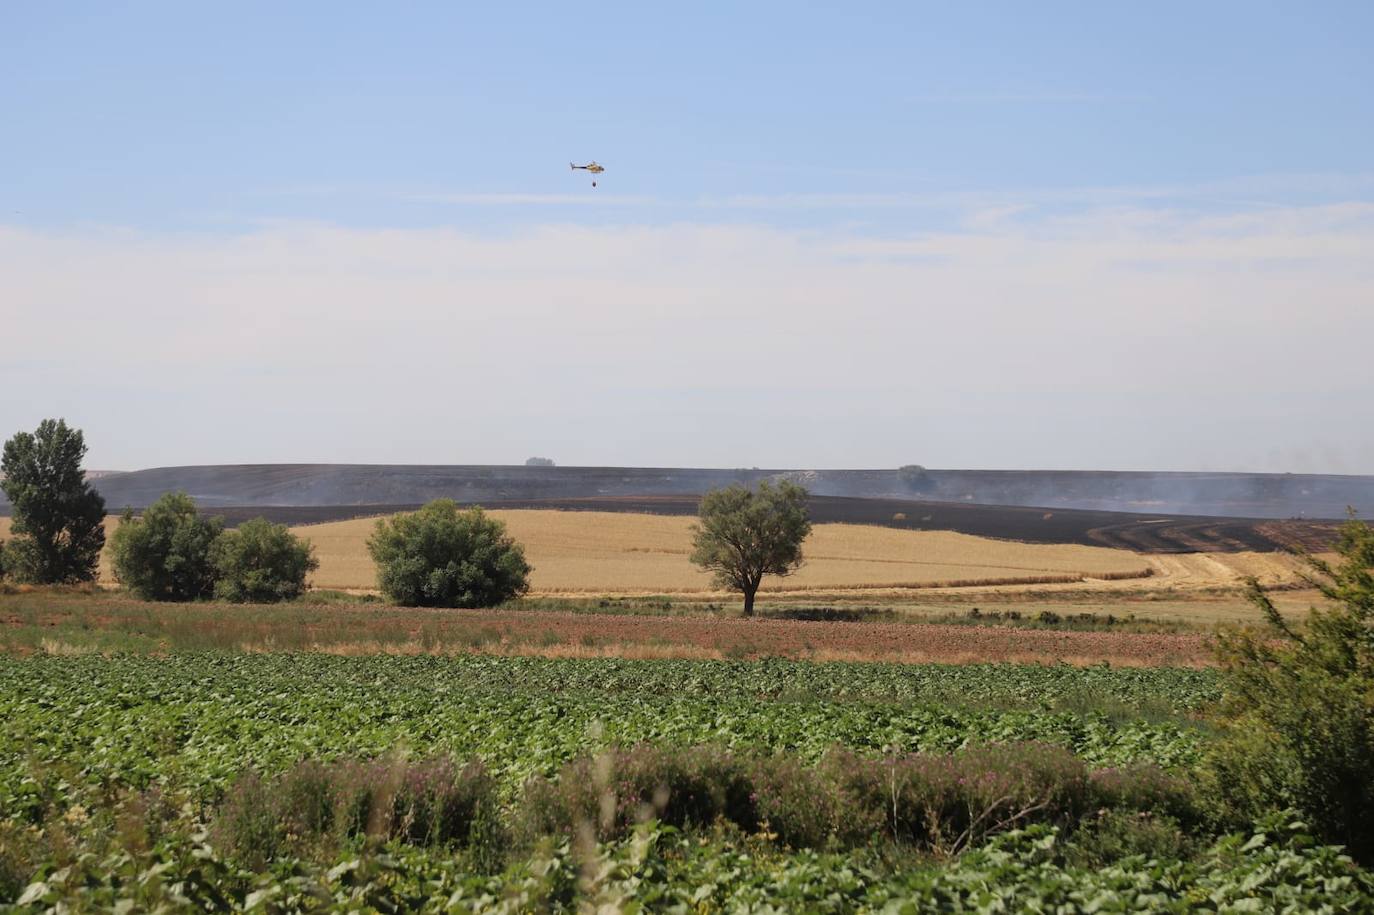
164,554
262,563
444,556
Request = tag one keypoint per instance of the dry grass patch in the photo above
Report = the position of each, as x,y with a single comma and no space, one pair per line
58,622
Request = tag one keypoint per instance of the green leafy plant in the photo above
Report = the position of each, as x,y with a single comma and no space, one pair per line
1276,867
1301,704
444,556
1112,834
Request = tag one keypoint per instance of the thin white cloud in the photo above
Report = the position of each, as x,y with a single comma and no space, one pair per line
1121,337
596,198
1023,97
1281,192
1256,192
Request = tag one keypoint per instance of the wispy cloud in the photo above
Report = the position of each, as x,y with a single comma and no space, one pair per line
590,199
1026,97
969,209
1257,191
1087,340
1248,191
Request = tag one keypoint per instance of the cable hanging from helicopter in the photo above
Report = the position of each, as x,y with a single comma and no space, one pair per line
589,167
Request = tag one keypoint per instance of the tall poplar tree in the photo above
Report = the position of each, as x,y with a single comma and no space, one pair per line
58,518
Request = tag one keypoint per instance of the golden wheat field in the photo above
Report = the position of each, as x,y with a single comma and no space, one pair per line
614,553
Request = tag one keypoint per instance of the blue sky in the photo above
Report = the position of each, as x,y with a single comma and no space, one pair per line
892,203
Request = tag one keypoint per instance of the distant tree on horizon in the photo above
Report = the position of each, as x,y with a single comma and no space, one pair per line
744,534
915,478
539,462
59,520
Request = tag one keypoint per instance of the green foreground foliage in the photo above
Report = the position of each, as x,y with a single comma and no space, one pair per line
444,556
179,781
80,727
58,518
1277,868
1301,704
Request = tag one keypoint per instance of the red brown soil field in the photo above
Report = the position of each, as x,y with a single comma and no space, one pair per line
60,623
854,641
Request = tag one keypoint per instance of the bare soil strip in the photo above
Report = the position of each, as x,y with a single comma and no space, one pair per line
910,642
56,624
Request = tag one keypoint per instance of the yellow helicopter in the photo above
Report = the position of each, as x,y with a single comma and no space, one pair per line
589,167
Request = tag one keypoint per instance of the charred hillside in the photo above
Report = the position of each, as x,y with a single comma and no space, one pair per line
1208,494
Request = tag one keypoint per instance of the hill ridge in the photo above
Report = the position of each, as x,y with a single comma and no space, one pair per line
1204,493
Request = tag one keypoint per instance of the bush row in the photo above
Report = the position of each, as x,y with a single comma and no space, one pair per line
171,552
939,802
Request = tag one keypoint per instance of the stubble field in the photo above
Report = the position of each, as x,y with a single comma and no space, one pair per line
580,553
620,553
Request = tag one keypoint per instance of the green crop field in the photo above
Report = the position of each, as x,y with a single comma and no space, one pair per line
116,774
194,721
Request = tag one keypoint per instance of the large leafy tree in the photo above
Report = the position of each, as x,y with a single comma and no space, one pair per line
744,534
443,556
58,518
165,554
1301,698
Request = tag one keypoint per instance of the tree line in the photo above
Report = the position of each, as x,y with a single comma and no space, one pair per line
439,556
169,552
